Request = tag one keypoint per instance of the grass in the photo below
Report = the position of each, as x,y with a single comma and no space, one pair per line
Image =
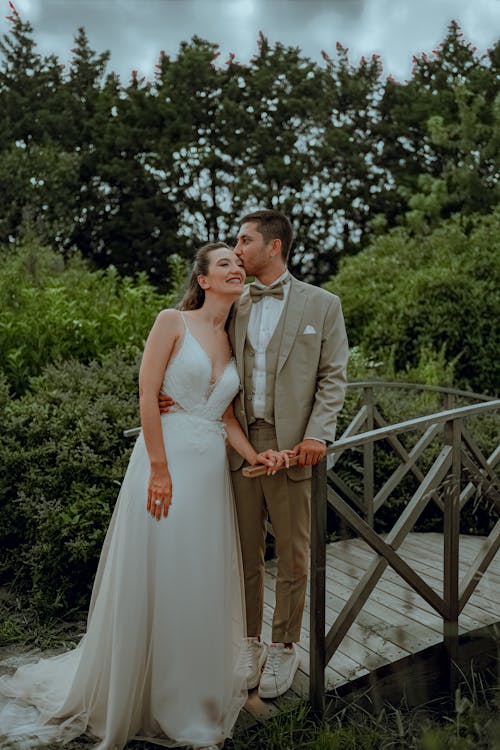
471,721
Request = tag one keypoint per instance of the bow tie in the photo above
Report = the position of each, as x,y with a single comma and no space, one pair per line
257,292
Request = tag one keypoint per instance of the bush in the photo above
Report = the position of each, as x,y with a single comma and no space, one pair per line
52,310
62,459
406,298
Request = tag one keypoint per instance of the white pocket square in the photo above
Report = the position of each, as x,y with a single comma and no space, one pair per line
309,329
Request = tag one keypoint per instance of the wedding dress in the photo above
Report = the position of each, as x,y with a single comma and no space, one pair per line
160,658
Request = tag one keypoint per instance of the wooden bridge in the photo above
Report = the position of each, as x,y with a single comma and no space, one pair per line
378,598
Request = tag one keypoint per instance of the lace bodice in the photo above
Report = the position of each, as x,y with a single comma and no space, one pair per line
188,380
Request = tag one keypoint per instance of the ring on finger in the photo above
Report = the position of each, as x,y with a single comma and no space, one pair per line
158,502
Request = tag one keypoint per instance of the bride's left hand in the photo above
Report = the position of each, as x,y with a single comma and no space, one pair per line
274,459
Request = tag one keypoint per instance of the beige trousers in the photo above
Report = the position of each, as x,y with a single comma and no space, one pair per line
287,503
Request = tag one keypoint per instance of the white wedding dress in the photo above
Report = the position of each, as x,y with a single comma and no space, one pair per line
160,658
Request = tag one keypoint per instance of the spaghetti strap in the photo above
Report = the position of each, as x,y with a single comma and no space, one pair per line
184,320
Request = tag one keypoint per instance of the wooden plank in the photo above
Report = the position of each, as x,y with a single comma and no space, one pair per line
474,618
361,638
489,583
404,601
469,548
390,613
391,556
338,593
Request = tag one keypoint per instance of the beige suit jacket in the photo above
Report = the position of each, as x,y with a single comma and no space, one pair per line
311,376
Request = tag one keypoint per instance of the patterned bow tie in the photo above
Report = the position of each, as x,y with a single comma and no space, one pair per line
257,292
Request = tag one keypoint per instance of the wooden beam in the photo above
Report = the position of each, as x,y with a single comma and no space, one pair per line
368,464
479,566
400,566
490,491
352,429
418,423
451,532
468,491
394,538
345,489
317,662
403,469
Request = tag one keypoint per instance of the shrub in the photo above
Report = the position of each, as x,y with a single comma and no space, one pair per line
62,458
407,297
52,310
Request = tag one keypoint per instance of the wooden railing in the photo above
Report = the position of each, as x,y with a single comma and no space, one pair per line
459,469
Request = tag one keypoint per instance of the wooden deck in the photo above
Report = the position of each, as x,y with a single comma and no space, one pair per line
394,623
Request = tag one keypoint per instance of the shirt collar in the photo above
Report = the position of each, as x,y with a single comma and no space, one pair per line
283,279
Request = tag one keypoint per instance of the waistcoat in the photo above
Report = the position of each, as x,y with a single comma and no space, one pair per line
272,353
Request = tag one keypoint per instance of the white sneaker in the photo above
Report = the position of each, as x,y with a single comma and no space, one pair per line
253,657
281,665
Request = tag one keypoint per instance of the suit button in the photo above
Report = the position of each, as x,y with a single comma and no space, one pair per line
249,398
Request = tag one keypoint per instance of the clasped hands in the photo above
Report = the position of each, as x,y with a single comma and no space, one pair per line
309,452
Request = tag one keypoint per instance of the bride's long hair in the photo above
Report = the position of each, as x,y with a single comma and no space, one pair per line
194,296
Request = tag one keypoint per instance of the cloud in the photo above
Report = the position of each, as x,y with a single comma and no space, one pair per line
136,30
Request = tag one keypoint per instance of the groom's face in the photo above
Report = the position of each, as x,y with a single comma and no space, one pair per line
252,249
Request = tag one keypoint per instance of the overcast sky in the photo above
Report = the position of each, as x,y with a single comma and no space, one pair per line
136,30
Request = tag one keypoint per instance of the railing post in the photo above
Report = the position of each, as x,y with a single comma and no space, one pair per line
448,401
368,465
452,435
317,589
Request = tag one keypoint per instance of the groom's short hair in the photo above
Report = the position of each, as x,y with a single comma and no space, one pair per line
273,226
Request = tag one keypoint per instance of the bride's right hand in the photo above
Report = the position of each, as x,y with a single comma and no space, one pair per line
159,492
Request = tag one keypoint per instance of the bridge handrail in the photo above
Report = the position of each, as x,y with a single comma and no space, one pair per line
413,424
459,449
407,385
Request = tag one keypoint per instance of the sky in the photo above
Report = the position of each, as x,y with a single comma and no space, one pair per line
135,31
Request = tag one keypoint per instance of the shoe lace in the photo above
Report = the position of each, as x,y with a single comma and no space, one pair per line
273,661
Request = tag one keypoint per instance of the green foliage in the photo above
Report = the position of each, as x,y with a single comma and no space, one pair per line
131,174
53,310
473,723
62,459
429,305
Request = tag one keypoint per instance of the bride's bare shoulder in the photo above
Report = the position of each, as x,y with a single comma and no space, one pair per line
170,318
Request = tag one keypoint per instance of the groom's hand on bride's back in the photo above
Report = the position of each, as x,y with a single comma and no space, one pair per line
165,402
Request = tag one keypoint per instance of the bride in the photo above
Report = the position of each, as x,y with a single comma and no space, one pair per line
160,658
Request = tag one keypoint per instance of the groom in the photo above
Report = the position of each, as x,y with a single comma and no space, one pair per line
291,352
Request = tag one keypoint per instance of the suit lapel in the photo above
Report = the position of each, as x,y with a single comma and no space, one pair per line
240,333
293,312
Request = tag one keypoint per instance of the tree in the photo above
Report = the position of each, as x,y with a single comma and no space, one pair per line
353,179
444,123
405,297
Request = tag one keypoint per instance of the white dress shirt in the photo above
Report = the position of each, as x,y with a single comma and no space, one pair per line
264,317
